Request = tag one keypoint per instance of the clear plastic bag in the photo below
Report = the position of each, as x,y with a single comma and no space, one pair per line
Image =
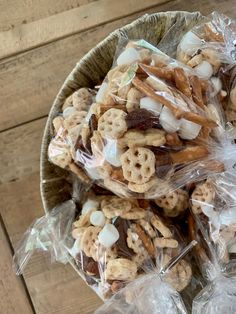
209,48
218,296
214,227
148,294
118,240
213,41
66,129
50,233
151,125
213,203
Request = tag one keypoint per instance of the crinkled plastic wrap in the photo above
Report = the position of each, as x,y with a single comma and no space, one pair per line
213,204
149,293
214,227
153,119
50,233
119,240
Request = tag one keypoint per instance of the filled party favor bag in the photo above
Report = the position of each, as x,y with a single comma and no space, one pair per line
118,240
219,294
213,204
149,123
111,243
209,48
213,225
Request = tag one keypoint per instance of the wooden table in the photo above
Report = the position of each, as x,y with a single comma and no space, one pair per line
41,40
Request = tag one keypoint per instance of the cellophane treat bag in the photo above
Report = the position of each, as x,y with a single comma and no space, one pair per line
153,124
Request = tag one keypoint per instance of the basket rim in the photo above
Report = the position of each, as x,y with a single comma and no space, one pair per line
44,144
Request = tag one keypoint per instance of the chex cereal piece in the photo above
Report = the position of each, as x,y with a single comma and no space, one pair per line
112,124
138,164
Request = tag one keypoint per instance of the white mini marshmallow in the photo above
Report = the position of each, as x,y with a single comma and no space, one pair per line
112,153
90,205
68,111
128,56
217,84
151,105
97,218
190,43
189,130
204,70
101,92
108,235
168,121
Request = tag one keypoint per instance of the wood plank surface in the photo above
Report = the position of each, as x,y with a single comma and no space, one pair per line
14,13
30,81
36,33
13,296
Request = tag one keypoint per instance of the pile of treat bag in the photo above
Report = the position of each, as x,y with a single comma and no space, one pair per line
151,225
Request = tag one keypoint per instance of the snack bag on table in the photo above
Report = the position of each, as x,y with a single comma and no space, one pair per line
119,240
209,48
213,225
151,120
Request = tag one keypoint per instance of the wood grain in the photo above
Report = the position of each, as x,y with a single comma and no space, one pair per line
14,13
13,296
40,32
20,151
53,288
31,81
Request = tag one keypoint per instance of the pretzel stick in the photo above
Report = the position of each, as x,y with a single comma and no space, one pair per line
196,91
147,242
163,72
189,154
211,35
182,82
178,113
194,236
196,118
173,139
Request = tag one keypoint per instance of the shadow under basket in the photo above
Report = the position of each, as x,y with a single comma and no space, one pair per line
91,70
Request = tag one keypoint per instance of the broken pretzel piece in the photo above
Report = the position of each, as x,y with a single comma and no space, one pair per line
189,154
147,242
196,91
210,35
160,72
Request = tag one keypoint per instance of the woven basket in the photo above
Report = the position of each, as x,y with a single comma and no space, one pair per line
90,70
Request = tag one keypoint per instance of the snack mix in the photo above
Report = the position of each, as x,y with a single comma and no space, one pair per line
152,149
